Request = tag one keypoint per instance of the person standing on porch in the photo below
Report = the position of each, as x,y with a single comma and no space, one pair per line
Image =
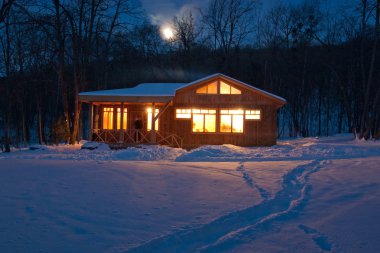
138,127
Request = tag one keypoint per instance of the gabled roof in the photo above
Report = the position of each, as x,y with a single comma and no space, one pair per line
233,80
162,92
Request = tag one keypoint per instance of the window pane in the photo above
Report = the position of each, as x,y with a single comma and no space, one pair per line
183,116
105,120
118,118
237,123
210,123
183,113
108,118
212,88
149,123
198,122
235,91
202,90
225,88
252,114
125,119
225,123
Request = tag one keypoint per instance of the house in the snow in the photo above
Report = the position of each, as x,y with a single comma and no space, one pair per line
213,110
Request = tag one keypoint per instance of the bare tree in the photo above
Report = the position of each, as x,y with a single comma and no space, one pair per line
4,8
229,22
367,120
184,31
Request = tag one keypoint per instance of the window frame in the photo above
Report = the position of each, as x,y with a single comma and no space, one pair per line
149,118
218,83
218,115
110,121
125,117
255,109
232,120
206,86
175,113
204,119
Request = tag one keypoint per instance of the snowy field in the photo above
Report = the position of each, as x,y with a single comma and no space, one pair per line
303,195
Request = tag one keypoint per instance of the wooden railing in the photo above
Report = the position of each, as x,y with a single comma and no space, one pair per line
135,137
170,139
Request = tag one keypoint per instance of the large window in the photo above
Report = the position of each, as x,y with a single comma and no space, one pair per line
108,118
211,88
149,125
204,120
119,118
231,121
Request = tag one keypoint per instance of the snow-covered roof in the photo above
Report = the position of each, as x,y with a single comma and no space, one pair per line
143,89
161,91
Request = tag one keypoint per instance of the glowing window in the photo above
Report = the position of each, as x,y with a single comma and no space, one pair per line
149,125
183,113
232,121
211,88
204,120
118,119
228,89
108,118
252,114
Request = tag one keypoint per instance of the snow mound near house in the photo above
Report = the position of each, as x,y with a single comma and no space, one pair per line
340,146
91,145
221,153
148,153
38,147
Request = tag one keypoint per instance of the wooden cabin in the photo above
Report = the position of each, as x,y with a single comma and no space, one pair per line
214,110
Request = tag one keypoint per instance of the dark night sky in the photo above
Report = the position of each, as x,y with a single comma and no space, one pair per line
161,11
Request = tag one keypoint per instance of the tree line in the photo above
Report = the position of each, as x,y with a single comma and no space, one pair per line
324,61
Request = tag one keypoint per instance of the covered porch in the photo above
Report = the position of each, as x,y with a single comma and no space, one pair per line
112,118
115,124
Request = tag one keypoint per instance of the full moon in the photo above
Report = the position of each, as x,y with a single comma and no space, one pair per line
167,32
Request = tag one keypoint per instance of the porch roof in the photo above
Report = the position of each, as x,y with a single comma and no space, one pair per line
144,92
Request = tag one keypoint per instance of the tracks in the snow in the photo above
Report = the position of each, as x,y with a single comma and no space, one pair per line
264,194
230,230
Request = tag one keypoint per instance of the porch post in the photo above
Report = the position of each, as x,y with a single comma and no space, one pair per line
153,128
121,136
96,124
91,118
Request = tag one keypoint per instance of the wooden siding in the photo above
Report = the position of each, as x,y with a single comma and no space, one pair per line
261,132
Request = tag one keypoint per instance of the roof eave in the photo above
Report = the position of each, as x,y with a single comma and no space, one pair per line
120,98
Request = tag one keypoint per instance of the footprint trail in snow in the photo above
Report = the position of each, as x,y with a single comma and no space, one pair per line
230,230
249,181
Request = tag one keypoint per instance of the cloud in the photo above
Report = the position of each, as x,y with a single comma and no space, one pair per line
163,11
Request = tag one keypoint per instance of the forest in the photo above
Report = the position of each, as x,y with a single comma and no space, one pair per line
324,60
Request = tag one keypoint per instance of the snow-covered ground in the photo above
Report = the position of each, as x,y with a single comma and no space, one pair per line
303,195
